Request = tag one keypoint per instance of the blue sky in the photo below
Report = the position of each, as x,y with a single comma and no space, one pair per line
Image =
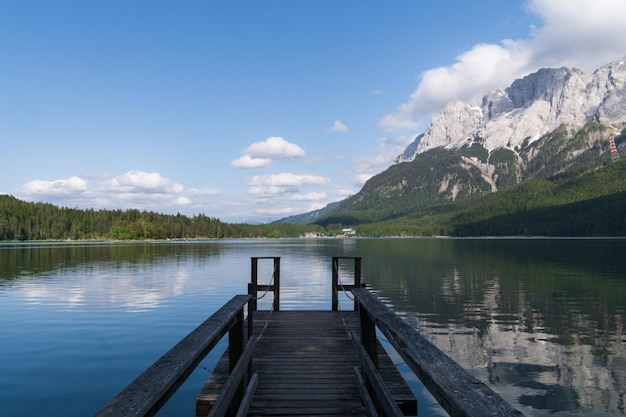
255,110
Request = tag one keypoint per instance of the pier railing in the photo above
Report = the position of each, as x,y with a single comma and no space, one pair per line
153,388
338,285
254,288
274,286
456,390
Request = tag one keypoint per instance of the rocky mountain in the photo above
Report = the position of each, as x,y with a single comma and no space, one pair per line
529,109
545,125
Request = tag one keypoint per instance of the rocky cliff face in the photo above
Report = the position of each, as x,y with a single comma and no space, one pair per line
547,126
529,109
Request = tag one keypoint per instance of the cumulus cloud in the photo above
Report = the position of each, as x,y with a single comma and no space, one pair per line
273,195
338,127
309,197
578,33
261,154
385,152
574,33
62,187
204,191
133,189
275,147
266,185
140,182
247,161
343,193
182,201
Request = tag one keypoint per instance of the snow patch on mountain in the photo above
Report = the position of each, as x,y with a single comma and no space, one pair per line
528,109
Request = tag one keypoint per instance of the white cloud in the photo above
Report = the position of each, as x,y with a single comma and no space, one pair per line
385,152
580,33
261,154
138,182
61,187
204,191
133,189
265,185
338,127
309,197
182,201
342,193
376,92
575,33
247,161
275,147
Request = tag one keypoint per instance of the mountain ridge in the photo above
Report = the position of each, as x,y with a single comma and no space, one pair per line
547,124
529,108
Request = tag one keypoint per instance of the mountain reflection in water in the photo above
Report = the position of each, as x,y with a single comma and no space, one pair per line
539,320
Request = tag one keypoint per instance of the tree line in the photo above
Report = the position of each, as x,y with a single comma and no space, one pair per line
26,221
591,203
569,204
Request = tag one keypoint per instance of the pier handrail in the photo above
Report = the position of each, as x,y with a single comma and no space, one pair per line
337,285
370,374
153,388
254,287
456,390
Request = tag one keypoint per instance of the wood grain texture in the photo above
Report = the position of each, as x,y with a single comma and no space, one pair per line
149,391
458,392
304,361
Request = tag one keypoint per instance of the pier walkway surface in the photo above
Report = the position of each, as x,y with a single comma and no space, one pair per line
305,363
313,363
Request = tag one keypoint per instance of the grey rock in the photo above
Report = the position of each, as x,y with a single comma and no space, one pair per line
528,109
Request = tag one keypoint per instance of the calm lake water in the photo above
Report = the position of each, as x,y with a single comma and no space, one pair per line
539,320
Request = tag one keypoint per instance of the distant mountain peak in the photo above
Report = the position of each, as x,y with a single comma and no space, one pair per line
528,109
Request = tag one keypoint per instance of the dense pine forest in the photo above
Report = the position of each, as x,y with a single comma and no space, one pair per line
25,221
591,203
568,205
571,187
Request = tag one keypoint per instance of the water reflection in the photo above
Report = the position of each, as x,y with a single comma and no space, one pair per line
540,321
134,278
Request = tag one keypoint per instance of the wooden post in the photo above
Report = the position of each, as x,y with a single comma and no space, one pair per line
250,321
455,389
150,391
236,345
368,335
357,280
253,286
276,284
344,287
335,284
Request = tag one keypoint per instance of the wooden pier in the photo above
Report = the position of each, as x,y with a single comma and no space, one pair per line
313,363
305,363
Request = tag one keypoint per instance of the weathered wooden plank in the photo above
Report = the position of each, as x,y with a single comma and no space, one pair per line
233,381
305,360
458,392
370,409
150,390
306,407
377,383
247,398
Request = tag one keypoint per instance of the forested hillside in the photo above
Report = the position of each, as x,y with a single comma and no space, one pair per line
552,125
24,221
561,196
569,205
448,180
